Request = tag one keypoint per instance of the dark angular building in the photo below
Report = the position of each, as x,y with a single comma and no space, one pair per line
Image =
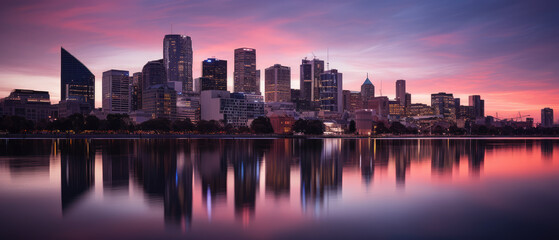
177,57
216,71
153,73
547,117
76,81
245,71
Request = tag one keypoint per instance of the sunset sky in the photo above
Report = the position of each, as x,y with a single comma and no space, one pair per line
506,51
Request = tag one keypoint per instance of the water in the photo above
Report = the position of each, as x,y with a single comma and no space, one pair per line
279,188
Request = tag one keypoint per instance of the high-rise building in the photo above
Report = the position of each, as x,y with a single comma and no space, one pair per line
160,101
331,87
310,71
478,104
245,79
258,82
547,117
188,106
367,91
77,83
408,100
136,92
215,71
443,103
116,92
277,83
401,91
177,57
153,73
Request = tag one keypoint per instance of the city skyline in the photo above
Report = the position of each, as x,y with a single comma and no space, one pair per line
476,52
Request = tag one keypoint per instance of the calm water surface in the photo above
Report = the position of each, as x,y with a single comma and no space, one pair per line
279,188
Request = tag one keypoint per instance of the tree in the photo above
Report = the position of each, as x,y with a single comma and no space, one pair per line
211,126
397,128
158,124
184,125
92,123
15,124
315,127
116,122
379,128
261,125
77,122
352,127
300,126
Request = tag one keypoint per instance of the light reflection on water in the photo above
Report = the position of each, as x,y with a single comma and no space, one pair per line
279,188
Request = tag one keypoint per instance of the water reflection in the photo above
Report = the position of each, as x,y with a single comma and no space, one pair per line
190,179
77,170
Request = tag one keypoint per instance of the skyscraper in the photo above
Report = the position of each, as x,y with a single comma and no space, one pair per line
277,83
153,73
367,91
136,92
478,104
331,88
116,92
177,57
443,103
310,71
215,71
401,91
245,71
547,117
76,81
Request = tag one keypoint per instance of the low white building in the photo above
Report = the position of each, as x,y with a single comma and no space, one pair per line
233,108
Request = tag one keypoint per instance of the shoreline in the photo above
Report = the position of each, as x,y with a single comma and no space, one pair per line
253,136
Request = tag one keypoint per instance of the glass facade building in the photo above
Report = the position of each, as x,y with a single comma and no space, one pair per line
77,83
177,57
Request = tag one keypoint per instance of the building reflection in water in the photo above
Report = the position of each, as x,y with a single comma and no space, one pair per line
26,158
278,164
245,156
547,149
165,173
116,159
321,172
212,167
77,168
164,168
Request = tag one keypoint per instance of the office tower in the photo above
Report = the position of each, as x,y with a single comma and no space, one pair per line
177,57
160,101
408,100
259,92
233,108
215,71
443,103
277,83
136,92
153,73
457,108
77,83
29,104
331,91
401,91
367,91
547,117
346,94
478,104
310,71
419,109
116,92
245,71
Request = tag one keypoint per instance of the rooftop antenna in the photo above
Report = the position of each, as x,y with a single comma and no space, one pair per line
327,59
381,87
